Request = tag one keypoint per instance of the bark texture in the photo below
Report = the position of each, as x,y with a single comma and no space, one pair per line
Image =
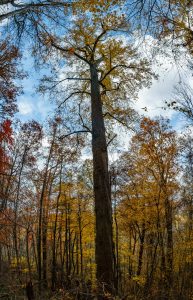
103,209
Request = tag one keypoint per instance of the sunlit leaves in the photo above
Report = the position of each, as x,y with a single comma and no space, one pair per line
122,72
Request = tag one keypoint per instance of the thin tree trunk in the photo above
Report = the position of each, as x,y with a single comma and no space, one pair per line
44,242
169,251
16,202
54,252
27,254
80,239
41,217
141,248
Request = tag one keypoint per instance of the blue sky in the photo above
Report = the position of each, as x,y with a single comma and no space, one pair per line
32,105
151,100
35,106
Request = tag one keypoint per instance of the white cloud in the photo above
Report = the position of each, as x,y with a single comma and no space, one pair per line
25,107
43,107
45,142
36,108
152,101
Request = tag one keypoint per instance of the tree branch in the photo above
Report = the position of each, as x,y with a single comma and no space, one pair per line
71,95
83,125
74,132
118,120
98,39
121,66
110,141
24,7
67,51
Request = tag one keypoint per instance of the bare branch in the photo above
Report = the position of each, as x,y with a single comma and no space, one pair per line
21,8
98,39
131,66
110,141
74,132
118,120
76,78
83,124
73,94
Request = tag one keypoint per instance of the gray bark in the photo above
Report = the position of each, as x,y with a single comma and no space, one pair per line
102,194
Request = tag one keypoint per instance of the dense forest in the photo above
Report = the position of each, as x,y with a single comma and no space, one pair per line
96,200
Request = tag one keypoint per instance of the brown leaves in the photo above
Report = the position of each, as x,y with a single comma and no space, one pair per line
9,57
6,132
71,51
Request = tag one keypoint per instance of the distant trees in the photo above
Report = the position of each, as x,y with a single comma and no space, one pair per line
185,222
161,147
182,102
9,72
165,19
47,227
148,189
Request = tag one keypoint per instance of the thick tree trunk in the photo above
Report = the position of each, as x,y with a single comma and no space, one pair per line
103,209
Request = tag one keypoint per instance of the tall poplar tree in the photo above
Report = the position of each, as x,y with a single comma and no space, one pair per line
108,72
